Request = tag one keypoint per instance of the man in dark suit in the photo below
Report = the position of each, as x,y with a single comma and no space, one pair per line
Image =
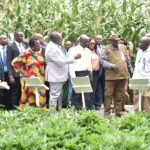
13,50
101,79
5,96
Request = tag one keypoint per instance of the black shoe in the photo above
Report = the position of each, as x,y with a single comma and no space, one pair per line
124,110
69,106
106,114
97,107
119,115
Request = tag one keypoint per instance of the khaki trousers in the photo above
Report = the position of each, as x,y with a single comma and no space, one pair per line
145,101
55,95
114,89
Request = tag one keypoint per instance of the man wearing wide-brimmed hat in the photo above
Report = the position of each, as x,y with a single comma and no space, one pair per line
116,76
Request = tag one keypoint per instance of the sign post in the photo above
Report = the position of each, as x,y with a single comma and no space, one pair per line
141,85
4,85
82,85
35,83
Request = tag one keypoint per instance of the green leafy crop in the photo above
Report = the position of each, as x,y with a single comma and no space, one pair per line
37,129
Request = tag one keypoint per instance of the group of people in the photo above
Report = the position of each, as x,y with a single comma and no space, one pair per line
108,68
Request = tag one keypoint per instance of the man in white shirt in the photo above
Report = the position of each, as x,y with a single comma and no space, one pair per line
56,68
83,64
142,70
81,67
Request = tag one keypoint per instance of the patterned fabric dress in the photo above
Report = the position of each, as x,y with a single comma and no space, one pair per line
33,64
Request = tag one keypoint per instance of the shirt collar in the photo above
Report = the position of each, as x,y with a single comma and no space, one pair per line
145,50
114,48
79,46
54,44
2,47
18,43
82,47
148,49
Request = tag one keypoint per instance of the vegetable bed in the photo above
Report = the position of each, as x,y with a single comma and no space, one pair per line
37,129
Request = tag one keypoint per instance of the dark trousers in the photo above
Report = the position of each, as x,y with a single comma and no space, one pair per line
15,90
47,94
7,94
77,98
1,97
97,95
102,83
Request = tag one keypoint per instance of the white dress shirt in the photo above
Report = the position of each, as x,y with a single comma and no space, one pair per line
3,50
20,47
82,64
99,49
142,64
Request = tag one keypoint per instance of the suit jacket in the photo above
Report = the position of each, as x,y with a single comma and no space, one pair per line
102,57
56,63
12,52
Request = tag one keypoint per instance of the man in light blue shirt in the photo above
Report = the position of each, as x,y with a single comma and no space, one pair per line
142,70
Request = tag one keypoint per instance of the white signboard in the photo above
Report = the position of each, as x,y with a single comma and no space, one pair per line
82,85
36,83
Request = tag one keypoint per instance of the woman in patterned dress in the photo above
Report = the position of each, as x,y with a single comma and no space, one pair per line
30,64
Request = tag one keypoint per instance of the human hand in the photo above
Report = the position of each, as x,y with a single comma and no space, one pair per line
11,80
24,73
115,67
78,56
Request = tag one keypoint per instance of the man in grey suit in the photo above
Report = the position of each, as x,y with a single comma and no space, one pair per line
56,68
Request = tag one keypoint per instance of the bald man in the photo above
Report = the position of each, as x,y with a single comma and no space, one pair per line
68,45
80,68
56,68
141,71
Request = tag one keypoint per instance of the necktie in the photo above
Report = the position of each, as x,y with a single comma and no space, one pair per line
21,48
100,49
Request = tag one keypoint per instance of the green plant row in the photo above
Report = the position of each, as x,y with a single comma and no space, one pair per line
36,129
129,18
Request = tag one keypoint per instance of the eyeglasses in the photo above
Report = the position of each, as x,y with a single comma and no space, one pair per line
92,43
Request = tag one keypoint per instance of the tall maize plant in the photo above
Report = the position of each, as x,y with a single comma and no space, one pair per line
129,18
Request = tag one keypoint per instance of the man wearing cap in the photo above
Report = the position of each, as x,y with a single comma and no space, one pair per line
115,77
